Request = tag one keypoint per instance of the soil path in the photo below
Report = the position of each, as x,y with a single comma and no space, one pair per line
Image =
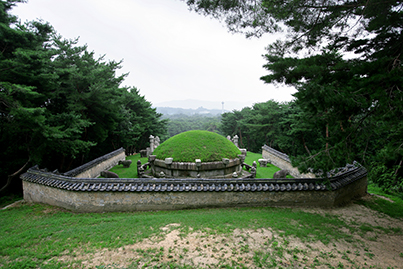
263,248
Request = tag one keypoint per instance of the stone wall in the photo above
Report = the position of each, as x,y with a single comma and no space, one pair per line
282,161
107,195
93,169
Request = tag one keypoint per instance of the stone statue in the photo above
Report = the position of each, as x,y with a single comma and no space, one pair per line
263,162
281,173
126,163
235,140
253,171
109,174
156,141
143,153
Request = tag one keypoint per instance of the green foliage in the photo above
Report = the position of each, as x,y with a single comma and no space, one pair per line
58,101
387,178
191,145
278,125
179,123
353,103
385,201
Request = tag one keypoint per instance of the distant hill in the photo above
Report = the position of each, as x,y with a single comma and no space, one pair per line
189,112
209,105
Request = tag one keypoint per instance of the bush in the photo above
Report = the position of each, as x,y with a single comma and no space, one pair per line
385,177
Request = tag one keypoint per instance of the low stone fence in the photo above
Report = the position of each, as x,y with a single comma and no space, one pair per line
93,168
120,194
191,169
282,161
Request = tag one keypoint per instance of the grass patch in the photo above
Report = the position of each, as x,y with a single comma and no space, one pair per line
393,209
262,172
130,172
197,144
30,235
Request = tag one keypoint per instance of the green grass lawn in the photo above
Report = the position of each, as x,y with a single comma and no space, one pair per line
130,172
262,172
30,235
393,206
34,236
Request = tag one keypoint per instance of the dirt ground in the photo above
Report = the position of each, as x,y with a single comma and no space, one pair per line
262,248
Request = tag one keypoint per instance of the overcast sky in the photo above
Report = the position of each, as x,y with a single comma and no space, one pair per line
169,52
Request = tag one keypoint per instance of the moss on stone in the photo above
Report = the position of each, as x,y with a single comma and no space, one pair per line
192,145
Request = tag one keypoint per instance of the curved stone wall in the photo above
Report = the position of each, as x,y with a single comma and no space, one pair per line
93,168
103,195
282,161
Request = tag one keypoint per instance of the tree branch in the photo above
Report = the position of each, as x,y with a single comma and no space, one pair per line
10,177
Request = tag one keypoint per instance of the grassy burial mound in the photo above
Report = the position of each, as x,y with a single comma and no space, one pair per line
191,145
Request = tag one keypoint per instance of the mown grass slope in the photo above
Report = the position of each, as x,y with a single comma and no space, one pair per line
192,145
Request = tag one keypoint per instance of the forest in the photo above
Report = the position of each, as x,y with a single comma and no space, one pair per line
60,106
345,60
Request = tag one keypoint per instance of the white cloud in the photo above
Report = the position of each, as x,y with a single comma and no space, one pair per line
170,52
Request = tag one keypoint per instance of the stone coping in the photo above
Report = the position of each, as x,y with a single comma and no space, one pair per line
277,153
38,176
76,171
193,167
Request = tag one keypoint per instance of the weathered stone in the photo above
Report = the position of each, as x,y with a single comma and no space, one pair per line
263,162
125,163
109,174
282,161
253,171
235,140
281,174
93,168
143,153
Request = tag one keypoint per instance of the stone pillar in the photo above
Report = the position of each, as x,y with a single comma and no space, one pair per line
151,160
151,143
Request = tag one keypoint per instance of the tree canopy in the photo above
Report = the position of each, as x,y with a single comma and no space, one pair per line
60,105
345,60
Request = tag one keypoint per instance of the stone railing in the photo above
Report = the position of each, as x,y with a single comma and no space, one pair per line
282,161
93,168
101,195
218,169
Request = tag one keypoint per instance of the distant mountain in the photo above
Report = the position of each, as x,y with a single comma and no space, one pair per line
189,111
210,105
